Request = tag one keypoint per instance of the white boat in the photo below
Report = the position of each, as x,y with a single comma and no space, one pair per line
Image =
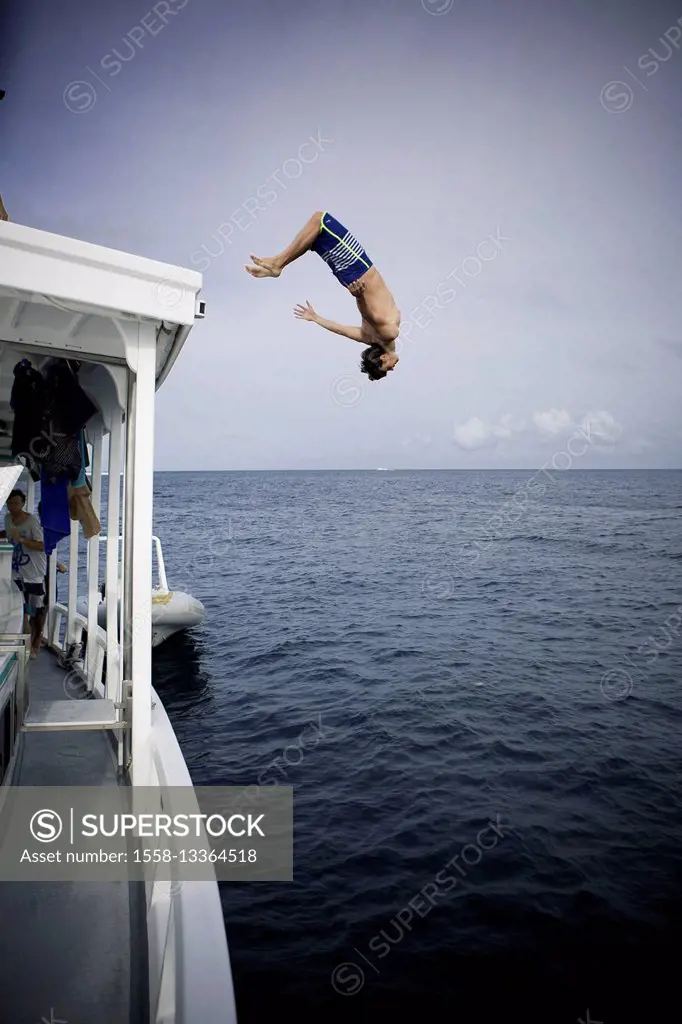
172,610
101,952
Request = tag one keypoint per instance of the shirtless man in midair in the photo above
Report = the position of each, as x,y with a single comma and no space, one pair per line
353,268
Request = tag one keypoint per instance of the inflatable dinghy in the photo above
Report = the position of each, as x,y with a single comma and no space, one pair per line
172,611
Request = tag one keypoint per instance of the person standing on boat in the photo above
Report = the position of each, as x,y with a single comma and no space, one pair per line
352,268
29,563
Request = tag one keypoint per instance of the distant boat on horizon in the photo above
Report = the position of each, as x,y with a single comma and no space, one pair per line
382,469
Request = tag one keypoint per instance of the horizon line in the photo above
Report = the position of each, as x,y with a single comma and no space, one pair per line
442,469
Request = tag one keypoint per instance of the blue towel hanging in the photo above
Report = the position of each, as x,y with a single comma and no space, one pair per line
54,511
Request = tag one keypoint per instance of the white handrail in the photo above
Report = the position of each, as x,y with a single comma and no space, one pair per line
160,564
163,582
60,612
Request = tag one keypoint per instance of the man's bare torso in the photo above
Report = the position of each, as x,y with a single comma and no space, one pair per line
380,314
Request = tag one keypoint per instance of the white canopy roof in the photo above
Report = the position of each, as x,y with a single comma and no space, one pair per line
63,297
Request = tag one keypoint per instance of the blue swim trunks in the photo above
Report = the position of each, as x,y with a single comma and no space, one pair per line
341,251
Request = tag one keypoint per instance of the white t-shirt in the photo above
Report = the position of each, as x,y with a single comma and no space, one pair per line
29,565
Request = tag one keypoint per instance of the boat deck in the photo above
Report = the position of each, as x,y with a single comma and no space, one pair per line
66,949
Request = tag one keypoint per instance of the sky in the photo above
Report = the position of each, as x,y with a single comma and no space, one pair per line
511,166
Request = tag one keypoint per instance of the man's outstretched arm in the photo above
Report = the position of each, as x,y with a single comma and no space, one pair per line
308,313
354,333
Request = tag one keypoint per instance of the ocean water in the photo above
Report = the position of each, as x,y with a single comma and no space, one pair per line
473,681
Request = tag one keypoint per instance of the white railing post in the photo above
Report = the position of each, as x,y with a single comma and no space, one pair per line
113,683
70,635
163,581
51,597
93,560
139,624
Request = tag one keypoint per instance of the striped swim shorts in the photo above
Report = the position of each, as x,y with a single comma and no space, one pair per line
341,251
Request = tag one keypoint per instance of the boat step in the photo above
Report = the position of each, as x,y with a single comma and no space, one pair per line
71,715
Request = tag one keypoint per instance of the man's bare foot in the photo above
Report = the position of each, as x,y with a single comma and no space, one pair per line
265,267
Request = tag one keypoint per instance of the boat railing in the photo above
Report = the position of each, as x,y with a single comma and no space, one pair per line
65,627
160,564
59,641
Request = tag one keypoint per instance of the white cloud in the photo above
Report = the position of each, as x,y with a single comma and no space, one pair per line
601,428
553,422
475,434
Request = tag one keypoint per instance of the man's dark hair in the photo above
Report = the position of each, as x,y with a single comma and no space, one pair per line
370,362
16,493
